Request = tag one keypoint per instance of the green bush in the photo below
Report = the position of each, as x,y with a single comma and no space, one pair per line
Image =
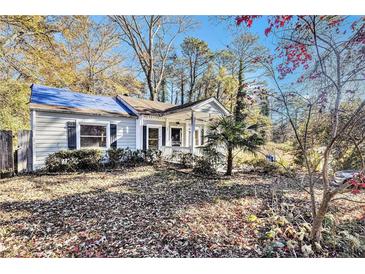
74,160
134,158
204,166
117,156
209,162
91,159
152,156
60,161
88,159
186,160
127,157
215,157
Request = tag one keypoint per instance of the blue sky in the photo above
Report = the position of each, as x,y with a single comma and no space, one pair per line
217,34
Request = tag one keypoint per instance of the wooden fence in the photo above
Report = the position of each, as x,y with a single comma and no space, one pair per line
6,153
24,152
21,160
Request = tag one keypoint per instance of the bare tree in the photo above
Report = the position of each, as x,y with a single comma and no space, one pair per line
151,38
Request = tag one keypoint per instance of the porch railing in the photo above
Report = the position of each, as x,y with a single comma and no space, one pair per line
170,150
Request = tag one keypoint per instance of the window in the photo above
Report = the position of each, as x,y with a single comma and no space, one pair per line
176,134
196,137
153,140
92,136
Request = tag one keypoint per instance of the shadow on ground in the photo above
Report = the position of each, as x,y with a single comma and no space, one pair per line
138,217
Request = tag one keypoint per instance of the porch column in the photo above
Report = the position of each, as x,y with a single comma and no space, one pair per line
139,133
192,132
78,144
167,133
186,132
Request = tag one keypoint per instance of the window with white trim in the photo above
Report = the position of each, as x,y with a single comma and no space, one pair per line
93,136
197,137
153,138
176,137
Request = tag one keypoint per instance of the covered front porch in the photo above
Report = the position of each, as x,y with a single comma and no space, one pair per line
185,132
181,129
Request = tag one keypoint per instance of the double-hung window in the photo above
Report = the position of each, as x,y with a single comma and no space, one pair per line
93,136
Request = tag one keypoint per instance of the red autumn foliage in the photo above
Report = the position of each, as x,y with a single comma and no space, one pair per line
294,56
247,19
335,22
274,21
357,183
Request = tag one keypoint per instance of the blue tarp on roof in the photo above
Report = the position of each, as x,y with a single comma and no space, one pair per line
65,98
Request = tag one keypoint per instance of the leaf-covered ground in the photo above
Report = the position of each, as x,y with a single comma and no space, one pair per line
148,212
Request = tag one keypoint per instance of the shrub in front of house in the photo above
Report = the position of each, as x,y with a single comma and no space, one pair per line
209,162
152,156
135,158
186,160
60,161
74,160
203,165
118,157
92,159
88,159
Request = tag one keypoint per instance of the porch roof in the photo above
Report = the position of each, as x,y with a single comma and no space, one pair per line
144,106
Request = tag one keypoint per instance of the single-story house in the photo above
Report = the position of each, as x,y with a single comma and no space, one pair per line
62,119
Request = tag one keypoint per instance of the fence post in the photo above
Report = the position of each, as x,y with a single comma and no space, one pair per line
6,153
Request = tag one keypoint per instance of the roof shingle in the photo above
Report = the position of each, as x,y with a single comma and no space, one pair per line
65,99
143,106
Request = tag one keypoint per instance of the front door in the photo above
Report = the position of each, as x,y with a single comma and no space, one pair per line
153,138
176,137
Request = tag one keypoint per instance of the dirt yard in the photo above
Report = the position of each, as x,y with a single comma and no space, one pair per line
147,212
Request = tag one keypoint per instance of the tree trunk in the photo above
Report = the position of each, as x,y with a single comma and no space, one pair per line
153,92
182,89
190,95
229,161
218,90
163,89
241,94
318,219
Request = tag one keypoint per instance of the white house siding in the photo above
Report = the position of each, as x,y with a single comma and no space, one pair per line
211,107
153,122
50,132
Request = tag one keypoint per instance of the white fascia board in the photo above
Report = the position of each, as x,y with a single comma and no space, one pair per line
223,109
